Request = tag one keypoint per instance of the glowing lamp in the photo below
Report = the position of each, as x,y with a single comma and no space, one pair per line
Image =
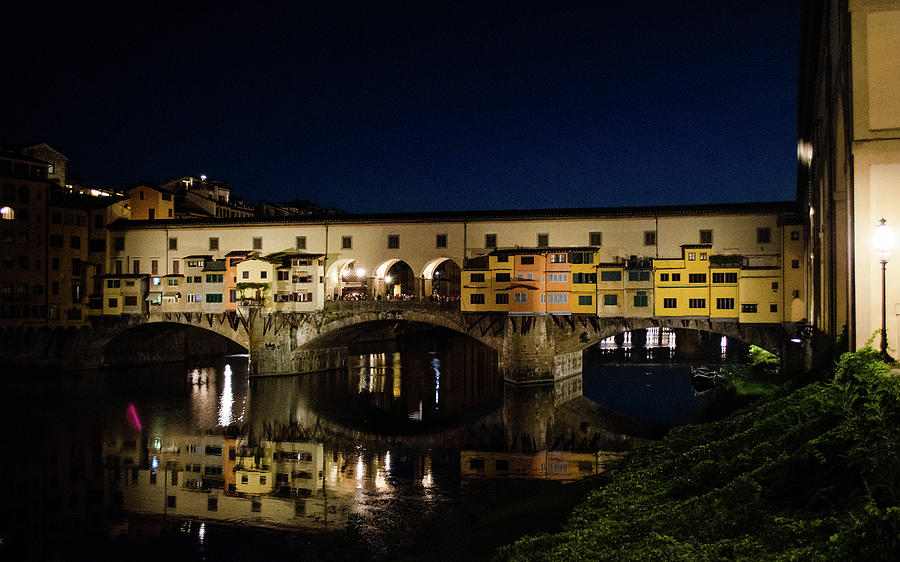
883,240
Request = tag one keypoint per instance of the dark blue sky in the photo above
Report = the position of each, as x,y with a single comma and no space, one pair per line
415,107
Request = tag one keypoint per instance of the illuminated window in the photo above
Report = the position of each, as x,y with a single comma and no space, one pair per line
692,256
6,213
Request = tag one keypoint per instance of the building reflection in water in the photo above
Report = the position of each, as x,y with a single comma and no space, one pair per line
307,451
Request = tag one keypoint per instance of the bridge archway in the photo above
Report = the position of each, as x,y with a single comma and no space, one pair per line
346,280
160,342
440,278
395,278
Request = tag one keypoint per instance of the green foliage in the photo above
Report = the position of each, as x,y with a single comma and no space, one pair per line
805,474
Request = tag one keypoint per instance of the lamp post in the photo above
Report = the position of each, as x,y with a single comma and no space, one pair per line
883,241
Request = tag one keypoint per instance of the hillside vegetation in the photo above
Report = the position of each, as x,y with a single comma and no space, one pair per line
805,474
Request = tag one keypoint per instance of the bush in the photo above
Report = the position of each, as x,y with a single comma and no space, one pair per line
803,474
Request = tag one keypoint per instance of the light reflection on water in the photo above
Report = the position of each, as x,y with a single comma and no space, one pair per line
395,438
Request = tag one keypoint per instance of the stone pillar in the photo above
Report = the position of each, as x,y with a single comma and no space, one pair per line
528,353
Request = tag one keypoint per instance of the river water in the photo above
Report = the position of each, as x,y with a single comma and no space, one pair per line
414,450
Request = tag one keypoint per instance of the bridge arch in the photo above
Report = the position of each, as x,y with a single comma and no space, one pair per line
441,277
163,341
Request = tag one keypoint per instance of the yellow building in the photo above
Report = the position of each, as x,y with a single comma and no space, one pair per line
682,285
124,294
150,202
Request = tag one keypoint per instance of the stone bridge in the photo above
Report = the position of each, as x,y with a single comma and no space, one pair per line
530,348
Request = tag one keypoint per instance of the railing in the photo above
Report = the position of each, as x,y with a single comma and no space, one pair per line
394,304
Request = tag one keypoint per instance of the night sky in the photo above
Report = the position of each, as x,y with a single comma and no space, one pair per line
373,107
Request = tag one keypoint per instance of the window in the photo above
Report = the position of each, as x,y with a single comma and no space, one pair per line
393,241
520,297
773,308
245,479
670,303
558,298
215,278
692,256
54,264
725,304
676,277
595,239
581,257
490,240
718,277
696,278
795,264
257,242
173,243
774,285
175,265
663,276
543,240
212,503
170,501
731,277
476,277
557,258
75,242
263,274
283,275
154,267
502,298
130,301
585,300
641,299
502,278
346,242
213,450
440,241
749,308
213,297
245,275
795,235
113,303
796,294
113,283
610,276
639,275
213,244
526,260
7,213
172,282
584,278
559,278
56,241
610,300
503,259
649,238
697,303
702,256
476,298
300,243
706,237
763,235
136,267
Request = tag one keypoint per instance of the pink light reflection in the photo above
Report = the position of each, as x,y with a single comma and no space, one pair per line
133,417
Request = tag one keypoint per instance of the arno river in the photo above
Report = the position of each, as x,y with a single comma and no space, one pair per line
408,452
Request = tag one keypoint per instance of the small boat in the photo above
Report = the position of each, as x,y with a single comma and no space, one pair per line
704,378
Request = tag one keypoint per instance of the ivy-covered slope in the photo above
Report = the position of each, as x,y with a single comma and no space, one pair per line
808,474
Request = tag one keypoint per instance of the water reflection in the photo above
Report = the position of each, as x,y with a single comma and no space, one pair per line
395,438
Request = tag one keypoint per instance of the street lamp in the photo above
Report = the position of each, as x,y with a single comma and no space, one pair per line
883,242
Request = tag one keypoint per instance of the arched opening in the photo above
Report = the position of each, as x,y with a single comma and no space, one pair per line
166,342
346,279
441,279
394,279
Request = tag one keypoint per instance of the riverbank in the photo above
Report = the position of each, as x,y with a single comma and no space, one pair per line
808,473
